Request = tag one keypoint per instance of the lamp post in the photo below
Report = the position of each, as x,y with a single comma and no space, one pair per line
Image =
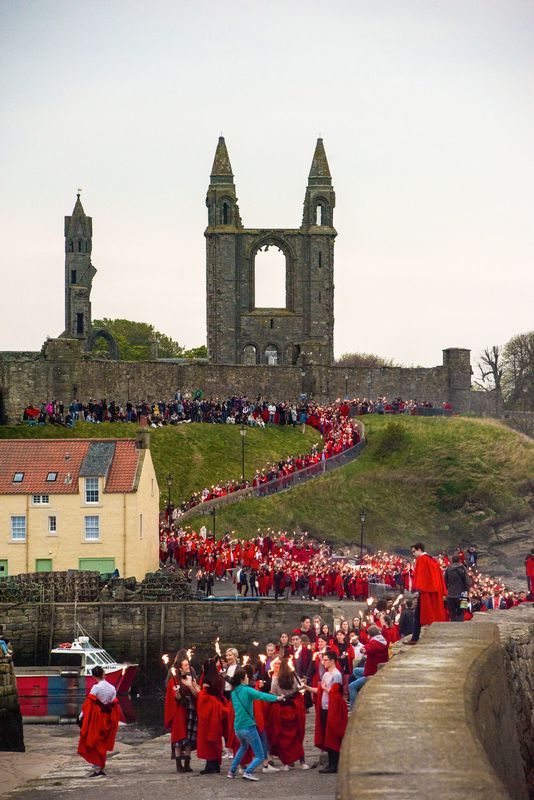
169,484
213,513
346,385
243,432
362,523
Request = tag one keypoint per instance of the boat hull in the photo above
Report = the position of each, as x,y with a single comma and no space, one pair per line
34,683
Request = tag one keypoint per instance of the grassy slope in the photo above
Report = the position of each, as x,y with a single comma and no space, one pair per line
195,455
413,479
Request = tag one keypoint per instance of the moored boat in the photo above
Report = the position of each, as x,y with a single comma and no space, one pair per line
70,671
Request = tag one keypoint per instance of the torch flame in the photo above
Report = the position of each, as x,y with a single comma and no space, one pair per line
263,658
165,659
255,644
370,601
245,660
189,653
217,647
173,671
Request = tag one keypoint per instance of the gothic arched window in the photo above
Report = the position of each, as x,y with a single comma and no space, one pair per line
249,355
225,214
79,245
71,246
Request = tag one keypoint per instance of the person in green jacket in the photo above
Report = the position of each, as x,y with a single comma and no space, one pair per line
243,697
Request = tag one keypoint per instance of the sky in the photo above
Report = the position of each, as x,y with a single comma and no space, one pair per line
425,108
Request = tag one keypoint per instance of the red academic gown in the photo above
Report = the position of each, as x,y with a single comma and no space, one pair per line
175,715
428,581
331,737
212,721
99,728
285,724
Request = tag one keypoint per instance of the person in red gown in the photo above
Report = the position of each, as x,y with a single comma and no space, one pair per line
331,712
181,714
212,713
428,581
99,723
286,722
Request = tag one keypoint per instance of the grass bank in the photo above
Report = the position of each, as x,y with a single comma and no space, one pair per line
195,455
446,480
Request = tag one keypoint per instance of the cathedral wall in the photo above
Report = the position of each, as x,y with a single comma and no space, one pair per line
61,372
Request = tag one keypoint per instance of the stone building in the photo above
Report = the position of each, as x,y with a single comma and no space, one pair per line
78,504
240,332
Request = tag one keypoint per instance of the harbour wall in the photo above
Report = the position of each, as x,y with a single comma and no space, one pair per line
11,732
451,718
142,632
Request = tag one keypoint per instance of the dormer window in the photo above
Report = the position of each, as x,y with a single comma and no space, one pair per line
18,477
92,494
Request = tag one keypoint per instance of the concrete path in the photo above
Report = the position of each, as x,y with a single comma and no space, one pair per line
143,770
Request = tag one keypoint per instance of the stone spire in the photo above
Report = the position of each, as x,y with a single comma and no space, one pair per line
221,171
319,171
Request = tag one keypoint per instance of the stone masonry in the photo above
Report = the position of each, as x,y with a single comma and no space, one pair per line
11,734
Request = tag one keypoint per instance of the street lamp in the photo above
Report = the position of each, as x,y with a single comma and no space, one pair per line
213,513
243,432
169,484
346,385
362,523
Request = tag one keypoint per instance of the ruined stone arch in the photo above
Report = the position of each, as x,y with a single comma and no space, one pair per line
273,240
250,354
103,333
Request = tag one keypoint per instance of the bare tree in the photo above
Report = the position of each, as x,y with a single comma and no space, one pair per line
518,377
491,369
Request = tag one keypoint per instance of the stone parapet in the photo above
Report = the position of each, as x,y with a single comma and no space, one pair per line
439,720
11,734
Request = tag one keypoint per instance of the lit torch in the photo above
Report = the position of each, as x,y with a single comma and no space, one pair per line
245,660
217,647
189,654
165,659
263,658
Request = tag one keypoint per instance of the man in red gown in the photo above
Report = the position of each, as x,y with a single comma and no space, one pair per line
428,581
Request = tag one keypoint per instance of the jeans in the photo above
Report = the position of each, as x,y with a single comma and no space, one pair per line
248,737
356,681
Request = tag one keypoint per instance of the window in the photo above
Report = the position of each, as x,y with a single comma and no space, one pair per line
91,490
92,529
319,215
271,355
79,246
79,323
40,499
18,477
71,246
52,526
87,247
18,529
73,276
270,267
225,214
249,354
320,259
51,476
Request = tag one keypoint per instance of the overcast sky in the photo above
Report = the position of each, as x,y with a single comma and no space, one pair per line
427,114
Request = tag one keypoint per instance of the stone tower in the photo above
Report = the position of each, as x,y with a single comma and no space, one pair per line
302,331
79,274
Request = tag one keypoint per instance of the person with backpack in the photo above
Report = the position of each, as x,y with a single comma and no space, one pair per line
457,582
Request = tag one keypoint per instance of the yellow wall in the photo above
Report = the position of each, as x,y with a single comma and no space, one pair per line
135,553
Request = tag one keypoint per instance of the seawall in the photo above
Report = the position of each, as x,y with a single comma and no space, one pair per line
142,632
451,718
11,733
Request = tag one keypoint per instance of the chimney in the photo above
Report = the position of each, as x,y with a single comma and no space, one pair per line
142,439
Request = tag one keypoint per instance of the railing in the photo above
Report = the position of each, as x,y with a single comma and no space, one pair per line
279,484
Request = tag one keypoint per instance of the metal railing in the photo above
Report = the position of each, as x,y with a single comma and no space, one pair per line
282,484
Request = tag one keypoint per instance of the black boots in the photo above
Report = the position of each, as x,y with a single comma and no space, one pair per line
187,764
211,768
179,765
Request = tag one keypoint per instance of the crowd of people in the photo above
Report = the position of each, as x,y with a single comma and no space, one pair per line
280,565
251,707
332,422
194,407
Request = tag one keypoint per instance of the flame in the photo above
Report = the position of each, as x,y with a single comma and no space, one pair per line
245,660
173,671
290,663
370,601
189,653
165,659
255,644
399,598
217,647
263,658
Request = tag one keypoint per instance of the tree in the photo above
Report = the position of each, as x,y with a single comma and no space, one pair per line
367,360
133,340
490,365
196,352
518,372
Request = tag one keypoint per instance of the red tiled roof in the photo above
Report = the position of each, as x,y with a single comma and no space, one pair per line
121,476
37,457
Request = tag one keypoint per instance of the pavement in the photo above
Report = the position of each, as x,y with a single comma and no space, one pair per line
143,770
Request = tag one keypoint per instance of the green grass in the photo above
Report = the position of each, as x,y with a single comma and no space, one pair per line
447,480
195,455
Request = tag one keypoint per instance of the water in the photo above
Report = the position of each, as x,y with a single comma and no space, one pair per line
141,716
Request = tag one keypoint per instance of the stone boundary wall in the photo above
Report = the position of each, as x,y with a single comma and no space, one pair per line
142,632
11,732
61,371
450,718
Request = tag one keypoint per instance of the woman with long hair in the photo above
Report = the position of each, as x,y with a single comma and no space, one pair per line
243,697
283,648
345,656
286,723
212,717
181,714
